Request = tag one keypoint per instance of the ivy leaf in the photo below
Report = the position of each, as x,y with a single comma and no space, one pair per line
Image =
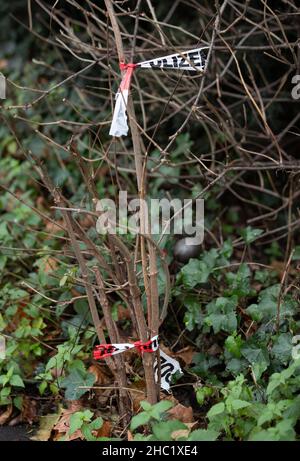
239,283
257,356
222,315
193,273
250,234
193,315
282,348
77,378
233,344
266,308
76,421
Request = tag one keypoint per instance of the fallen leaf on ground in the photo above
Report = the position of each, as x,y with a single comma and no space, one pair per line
53,228
182,413
50,265
105,430
129,436
102,378
47,424
62,426
137,394
29,410
186,354
4,417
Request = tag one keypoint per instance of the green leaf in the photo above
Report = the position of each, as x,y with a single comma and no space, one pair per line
193,315
139,420
222,315
163,430
96,424
233,344
16,380
250,234
76,379
76,421
282,348
193,273
257,356
146,405
202,393
238,404
216,410
159,408
239,282
42,387
266,308
203,435
296,254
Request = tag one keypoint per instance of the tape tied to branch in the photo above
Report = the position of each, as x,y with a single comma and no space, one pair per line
107,350
119,126
192,60
168,365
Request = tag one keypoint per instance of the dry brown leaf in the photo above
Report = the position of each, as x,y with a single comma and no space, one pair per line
50,265
102,377
29,410
105,430
47,424
4,417
123,313
182,413
53,228
63,424
186,354
129,436
137,393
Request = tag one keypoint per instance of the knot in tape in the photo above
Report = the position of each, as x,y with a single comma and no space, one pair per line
130,65
148,346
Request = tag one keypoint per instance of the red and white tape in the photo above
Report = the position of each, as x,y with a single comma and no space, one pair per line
192,60
168,365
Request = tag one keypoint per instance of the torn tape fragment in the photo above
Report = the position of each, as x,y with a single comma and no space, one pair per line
168,367
119,126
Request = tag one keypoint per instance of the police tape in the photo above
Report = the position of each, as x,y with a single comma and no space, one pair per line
168,365
192,60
